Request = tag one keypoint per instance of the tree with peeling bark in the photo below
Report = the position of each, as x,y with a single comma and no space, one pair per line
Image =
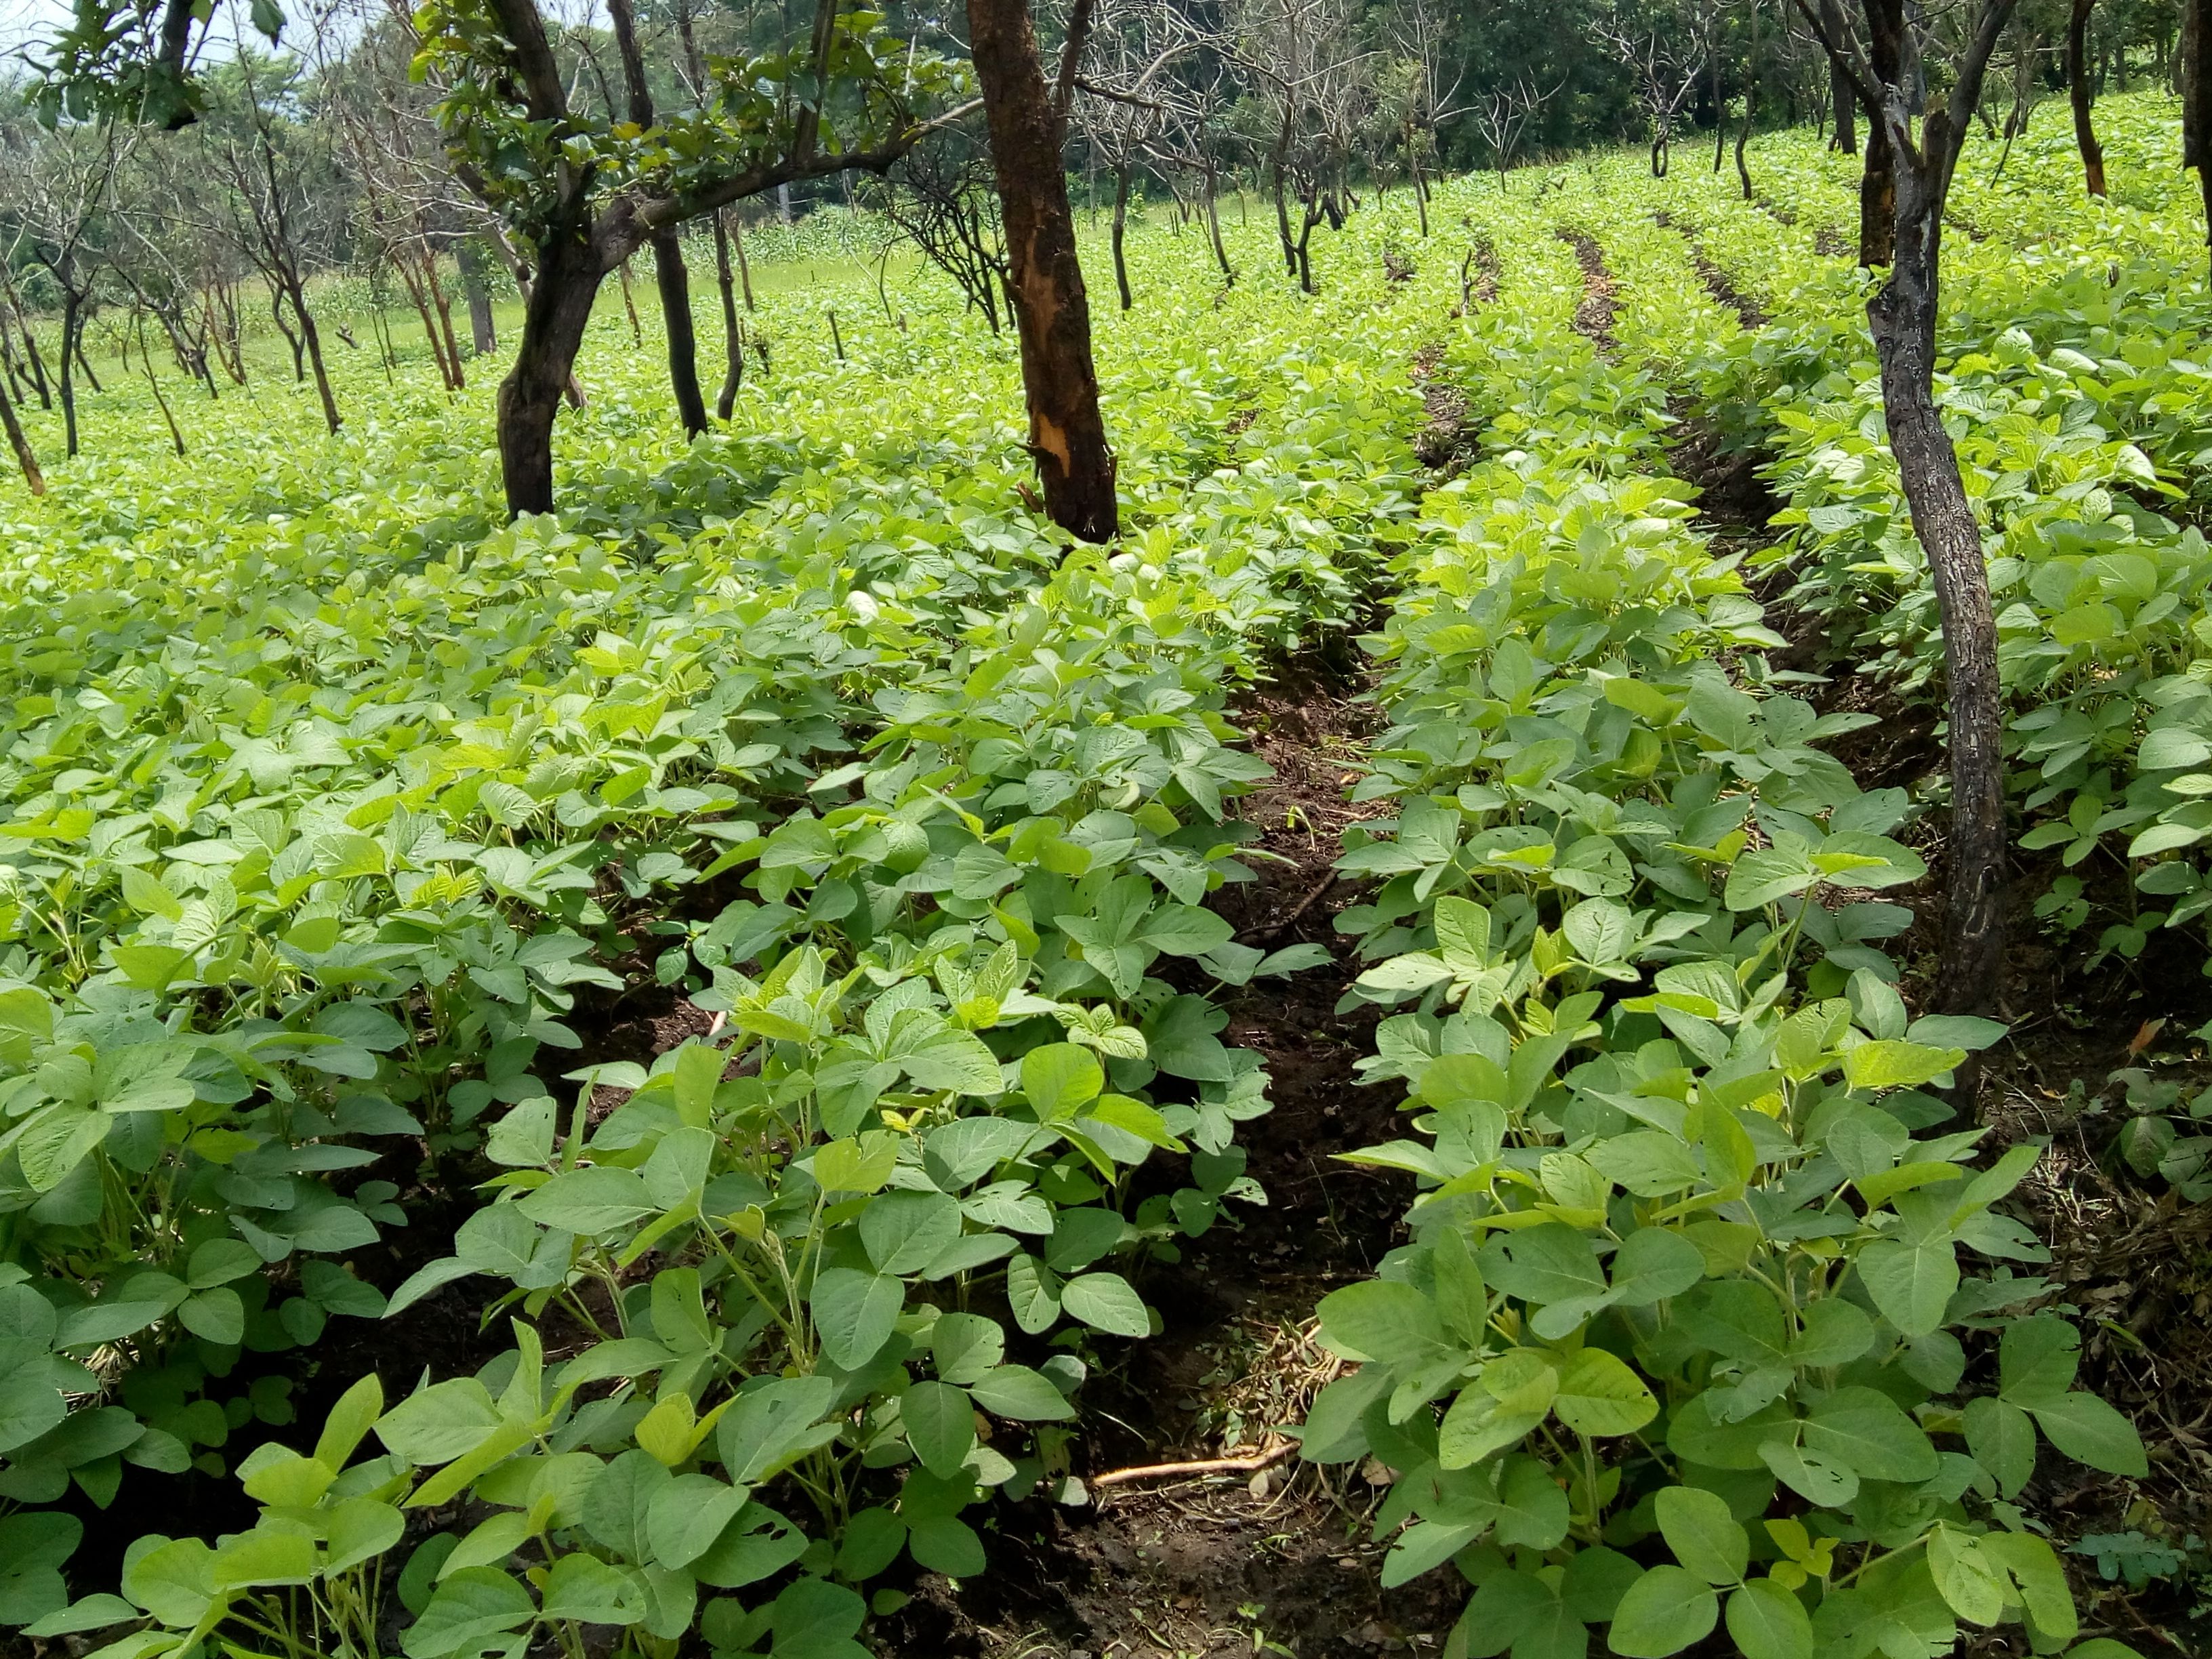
1028,120
1879,52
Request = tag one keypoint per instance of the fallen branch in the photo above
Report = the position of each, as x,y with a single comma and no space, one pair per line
1253,1465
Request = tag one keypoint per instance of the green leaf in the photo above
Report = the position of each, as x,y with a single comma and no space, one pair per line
687,1514
1380,1319
586,1589
1599,1396
217,1315
855,1313
1869,1433
1911,1283
940,1425
1020,1395
468,1611
175,1582
1699,1528
1767,1621
905,1231
1972,1586
2090,1432
1106,1302
1664,1611
359,1528
598,1198
2034,1568
262,1556
773,1423
944,1544
2003,1441
1894,1063
440,1423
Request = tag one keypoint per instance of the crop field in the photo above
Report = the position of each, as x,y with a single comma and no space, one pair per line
789,1062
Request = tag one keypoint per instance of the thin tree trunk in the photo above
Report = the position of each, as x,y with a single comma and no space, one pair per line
1052,310
733,339
444,309
2194,65
21,445
291,335
68,379
1839,85
1121,222
745,266
567,280
2081,94
630,307
1902,315
1750,104
1213,229
1720,117
315,354
1420,193
85,362
146,362
675,285
1282,205
483,333
669,275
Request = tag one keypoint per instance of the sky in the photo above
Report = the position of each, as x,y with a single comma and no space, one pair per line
24,22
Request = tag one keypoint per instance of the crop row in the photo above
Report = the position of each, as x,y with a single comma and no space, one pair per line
333,829
1708,1314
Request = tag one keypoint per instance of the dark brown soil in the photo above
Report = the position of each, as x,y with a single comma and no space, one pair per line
1748,311
1594,316
1221,1565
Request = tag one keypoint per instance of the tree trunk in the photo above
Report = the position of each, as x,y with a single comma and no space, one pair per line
21,445
85,362
1213,229
745,266
1120,224
37,361
314,343
1720,119
484,335
675,285
1839,84
1282,205
553,323
444,307
68,374
630,307
2195,71
1877,200
1067,436
734,337
1750,104
1902,315
291,335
